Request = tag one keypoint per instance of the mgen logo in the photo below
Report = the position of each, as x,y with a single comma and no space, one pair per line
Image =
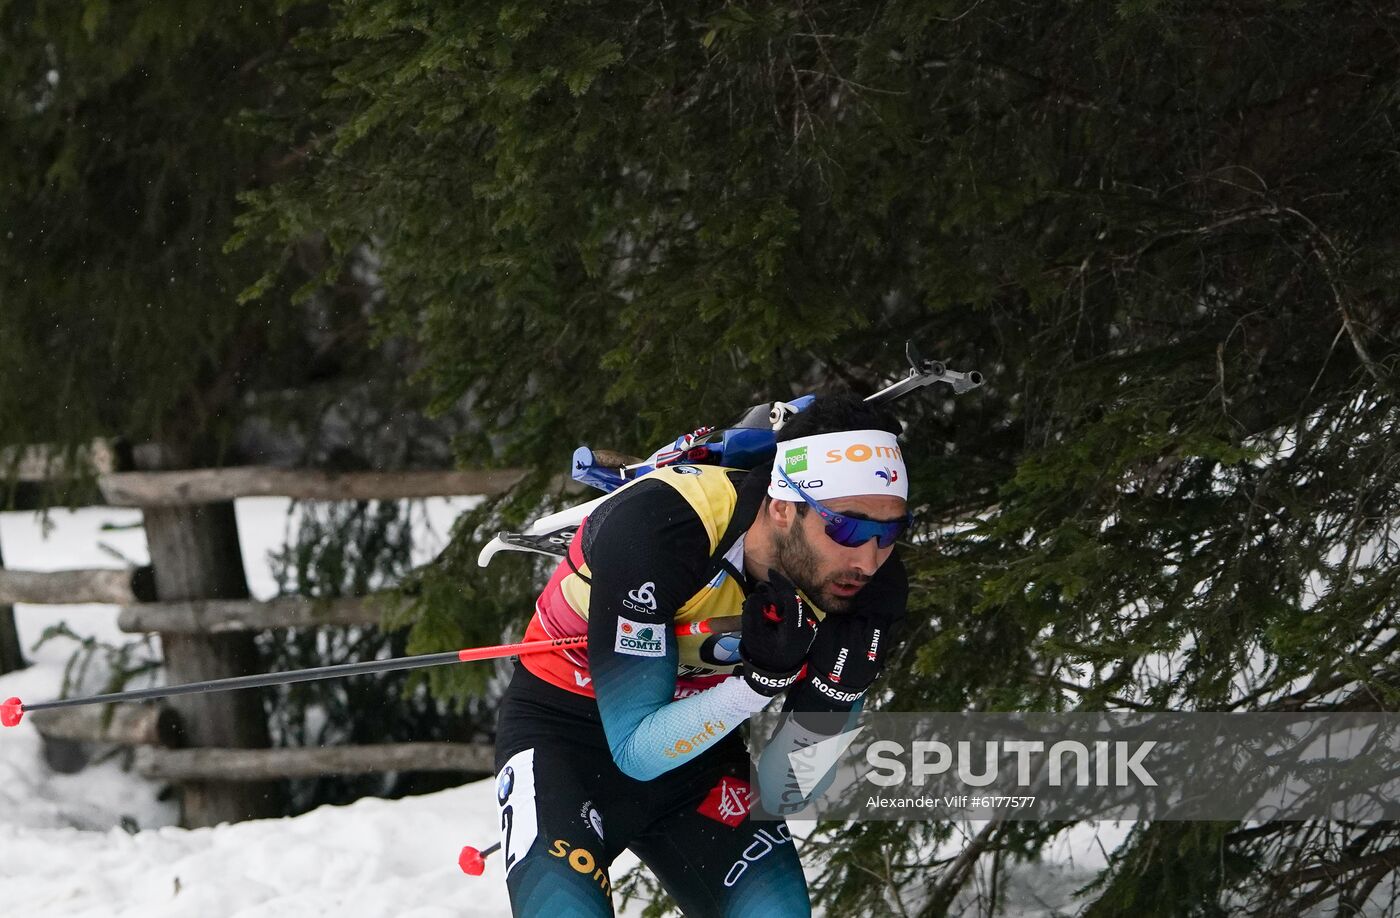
795,460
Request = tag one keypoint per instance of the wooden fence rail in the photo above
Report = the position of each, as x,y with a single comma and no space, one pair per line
126,724
272,764
202,486
154,729
224,616
118,586
43,462
206,622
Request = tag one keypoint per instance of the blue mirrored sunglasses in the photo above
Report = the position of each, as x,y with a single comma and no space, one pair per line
849,531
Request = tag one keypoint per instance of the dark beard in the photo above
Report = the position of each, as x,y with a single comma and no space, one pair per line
799,563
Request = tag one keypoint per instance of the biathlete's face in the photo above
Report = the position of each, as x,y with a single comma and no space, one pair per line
829,573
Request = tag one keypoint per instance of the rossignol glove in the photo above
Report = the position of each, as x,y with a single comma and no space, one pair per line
851,646
778,630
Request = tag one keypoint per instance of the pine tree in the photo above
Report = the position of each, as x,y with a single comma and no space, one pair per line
1166,234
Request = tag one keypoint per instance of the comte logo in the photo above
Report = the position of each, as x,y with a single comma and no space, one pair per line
638,639
795,460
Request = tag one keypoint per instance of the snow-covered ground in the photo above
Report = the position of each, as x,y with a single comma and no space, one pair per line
64,851
371,858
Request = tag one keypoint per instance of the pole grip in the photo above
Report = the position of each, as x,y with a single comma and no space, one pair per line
720,624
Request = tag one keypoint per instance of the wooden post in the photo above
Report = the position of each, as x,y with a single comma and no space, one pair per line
195,553
11,654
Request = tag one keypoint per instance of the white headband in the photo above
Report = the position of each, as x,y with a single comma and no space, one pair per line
848,463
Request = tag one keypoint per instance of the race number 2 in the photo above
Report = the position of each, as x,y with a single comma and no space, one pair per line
515,796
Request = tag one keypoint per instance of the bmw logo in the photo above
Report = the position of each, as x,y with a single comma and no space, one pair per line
720,649
505,784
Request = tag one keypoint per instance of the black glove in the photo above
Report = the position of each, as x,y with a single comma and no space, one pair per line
851,647
778,632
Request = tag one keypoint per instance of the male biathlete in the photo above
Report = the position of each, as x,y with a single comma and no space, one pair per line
633,744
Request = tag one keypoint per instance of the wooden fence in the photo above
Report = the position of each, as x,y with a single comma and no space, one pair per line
206,622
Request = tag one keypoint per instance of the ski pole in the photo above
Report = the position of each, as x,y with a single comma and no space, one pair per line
12,710
473,862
